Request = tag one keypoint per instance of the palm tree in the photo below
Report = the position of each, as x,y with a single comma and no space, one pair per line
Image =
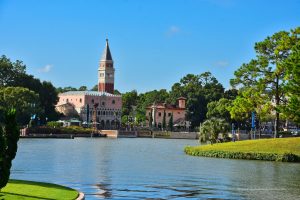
211,128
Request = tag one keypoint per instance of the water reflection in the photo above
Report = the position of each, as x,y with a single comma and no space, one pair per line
151,169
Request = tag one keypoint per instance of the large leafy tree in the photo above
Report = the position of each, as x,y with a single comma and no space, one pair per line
265,74
292,110
10,70
129,100
12,74
25,101
199,91
219,109
48,96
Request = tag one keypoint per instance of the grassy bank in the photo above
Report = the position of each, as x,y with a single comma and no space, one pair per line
18,189
281,149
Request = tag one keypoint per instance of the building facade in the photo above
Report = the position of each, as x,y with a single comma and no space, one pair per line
156,112
102,105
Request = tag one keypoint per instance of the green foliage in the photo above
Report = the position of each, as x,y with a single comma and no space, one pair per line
67,89
54,124
117,92
12,74
60,130
231,94
292,63
219,109
171,123
24,100
287,157
82,88
211,128
10,70
199,91
129,99
95,88
283,149
124,119
262,79
9,138
164,123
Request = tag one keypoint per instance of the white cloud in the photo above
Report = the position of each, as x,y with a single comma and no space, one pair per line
45,69
222,63
173,30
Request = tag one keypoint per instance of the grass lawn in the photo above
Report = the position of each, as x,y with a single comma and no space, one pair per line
263,149
25,190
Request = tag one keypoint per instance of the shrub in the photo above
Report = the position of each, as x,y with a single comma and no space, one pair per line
286,157
54,124
9,137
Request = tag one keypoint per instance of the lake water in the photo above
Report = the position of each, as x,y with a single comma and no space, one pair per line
139,168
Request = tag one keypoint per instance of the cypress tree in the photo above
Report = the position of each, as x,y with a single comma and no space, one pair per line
171,122
164,123
9,144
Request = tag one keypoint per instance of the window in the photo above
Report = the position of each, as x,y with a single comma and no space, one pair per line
92,100
98,112
113,102
178,112
101,74
159,114
80,100
103,103
169,114
67,100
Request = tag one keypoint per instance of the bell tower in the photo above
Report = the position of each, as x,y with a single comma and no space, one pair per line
106,72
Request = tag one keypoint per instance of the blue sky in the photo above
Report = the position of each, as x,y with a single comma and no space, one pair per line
154,43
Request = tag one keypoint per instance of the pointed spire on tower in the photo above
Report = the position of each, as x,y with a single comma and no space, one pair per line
106,53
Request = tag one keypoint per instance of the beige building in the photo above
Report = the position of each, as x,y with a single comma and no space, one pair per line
178,111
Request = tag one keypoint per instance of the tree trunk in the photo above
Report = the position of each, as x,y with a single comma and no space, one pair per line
277,101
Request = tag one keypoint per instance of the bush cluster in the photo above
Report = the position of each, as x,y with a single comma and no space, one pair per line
59,130
286,157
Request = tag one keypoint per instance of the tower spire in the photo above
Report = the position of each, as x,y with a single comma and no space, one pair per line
106,53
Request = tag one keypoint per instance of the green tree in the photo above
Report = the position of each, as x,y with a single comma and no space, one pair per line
25,101
292,63
164,123
170,124
82,88
117,92
9,137
10,70
95,88
231,94
199,91
48,95
266,72
129,99
211,128
219,109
